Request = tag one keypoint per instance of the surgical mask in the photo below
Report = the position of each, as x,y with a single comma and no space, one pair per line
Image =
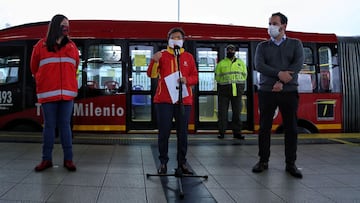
173,42
274,31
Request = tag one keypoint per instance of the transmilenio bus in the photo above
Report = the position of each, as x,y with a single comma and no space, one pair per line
115,95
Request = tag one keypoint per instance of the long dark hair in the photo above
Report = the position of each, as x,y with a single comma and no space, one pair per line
54,32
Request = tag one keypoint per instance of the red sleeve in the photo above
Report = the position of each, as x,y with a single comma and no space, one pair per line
193,77
35,59
152,70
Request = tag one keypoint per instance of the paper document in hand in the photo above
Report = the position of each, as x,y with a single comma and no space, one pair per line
173,87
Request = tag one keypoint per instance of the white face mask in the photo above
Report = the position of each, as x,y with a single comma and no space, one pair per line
173,42
274,31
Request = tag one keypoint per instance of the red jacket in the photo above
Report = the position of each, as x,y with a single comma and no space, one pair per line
55,72
167,65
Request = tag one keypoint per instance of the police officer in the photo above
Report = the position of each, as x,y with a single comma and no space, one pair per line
230,75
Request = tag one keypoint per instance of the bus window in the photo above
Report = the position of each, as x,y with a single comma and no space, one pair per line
80,69
9,69
206,63
335,80
242,54
307,76
206,60
325,62
104,70
140,57
2,76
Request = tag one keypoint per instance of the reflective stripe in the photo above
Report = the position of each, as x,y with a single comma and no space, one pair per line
155,70
69,93
57,60
56,93
230,77
231,82
234,91
229,73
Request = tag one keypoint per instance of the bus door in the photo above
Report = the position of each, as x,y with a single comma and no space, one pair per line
141,114
207,57
17,88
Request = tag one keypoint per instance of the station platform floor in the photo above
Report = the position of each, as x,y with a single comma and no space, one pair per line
114,168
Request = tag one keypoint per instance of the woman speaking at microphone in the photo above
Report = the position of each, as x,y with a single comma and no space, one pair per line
163,64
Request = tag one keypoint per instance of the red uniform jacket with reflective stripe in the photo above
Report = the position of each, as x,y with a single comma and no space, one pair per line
55,72
167,65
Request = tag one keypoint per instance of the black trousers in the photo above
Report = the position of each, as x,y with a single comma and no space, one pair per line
288,105
223,107
165,114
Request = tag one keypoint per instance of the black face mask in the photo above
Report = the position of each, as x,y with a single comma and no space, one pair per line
230,55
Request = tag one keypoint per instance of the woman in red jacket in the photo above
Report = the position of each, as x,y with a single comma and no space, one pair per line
163,64
54,63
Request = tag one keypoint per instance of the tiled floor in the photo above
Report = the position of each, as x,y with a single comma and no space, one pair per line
117,173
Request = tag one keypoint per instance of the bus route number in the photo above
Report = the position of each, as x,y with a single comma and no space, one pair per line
5,97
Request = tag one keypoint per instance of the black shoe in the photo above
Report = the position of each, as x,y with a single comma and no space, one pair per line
239,136
293,170
162,169
221,136
260,167
185,170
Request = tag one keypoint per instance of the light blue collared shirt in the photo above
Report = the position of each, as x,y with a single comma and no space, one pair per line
279,42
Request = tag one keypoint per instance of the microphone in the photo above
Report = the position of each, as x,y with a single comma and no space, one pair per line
176,50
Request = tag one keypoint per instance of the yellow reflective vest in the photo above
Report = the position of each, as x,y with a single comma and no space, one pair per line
231,72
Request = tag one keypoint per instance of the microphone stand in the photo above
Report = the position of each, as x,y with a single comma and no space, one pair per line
180,102
178,171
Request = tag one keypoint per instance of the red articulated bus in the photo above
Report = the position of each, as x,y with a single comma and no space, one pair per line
115,95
